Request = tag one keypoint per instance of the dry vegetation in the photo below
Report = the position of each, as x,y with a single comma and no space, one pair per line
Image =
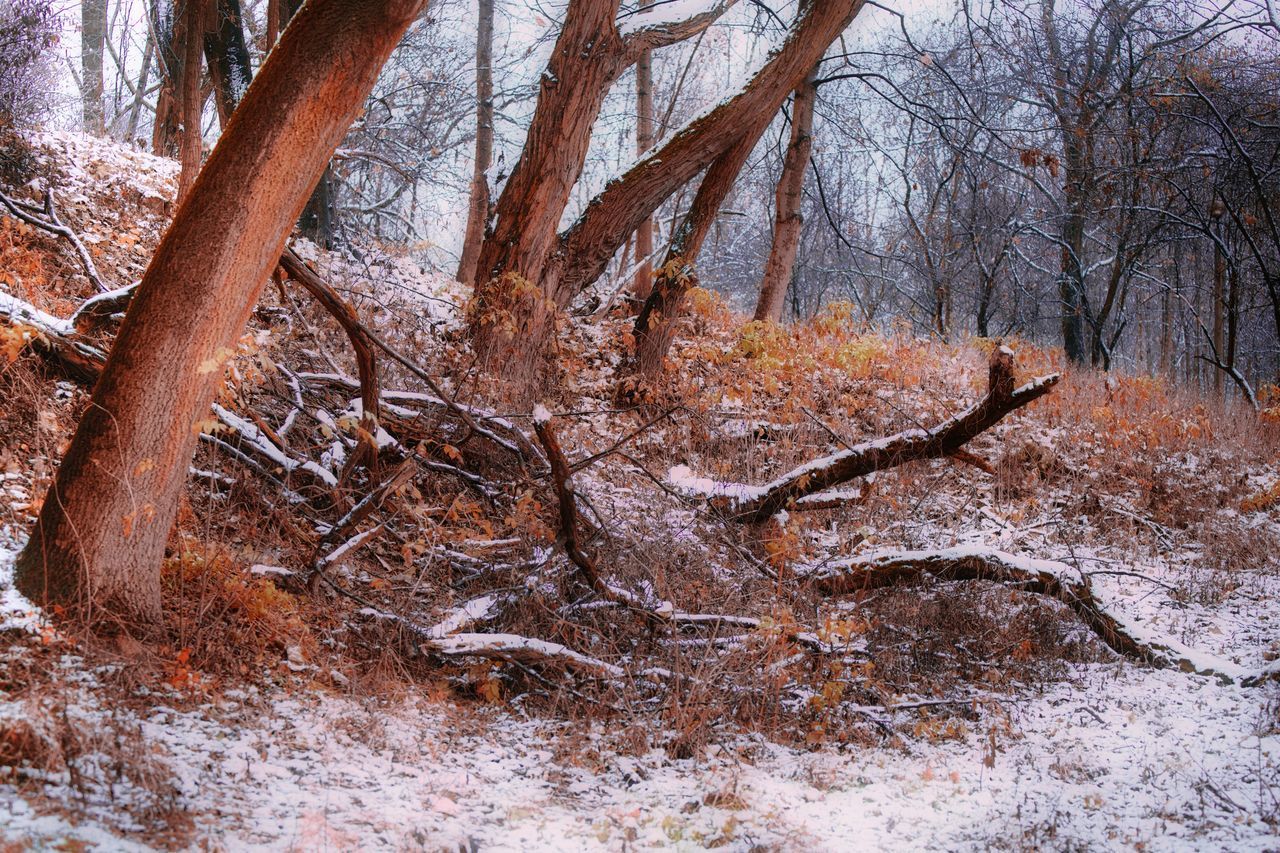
1112,471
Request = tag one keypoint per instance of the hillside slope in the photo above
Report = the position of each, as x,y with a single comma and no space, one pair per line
440,674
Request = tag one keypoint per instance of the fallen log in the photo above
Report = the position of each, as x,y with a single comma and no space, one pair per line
754,504
53,339
1056,580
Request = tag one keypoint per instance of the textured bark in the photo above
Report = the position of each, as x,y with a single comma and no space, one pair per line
511,317
586,248
656,323
788,214
93,35
227,56
167,26
514,311
192,98
101,534
642,284
478,209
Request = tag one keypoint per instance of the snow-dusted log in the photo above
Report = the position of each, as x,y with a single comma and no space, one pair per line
750,504
96,311
54,339
1045,577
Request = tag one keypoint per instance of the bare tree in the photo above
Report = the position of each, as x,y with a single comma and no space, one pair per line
101,534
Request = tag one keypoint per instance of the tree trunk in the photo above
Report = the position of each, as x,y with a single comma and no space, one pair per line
93,36
478,210
589,244
656,323
646,138
192,98
788,215
167,25
1219,304
514,311
227,56
139,97
101,534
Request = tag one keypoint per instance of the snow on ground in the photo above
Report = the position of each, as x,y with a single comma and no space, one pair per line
1115,756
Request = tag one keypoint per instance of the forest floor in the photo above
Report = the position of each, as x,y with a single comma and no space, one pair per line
958,716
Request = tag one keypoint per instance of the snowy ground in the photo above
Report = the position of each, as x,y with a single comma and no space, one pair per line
1116,756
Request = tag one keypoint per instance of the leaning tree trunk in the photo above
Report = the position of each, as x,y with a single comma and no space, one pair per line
656,323
93,36
513,316
642,284
788,216
478,209
102,530
589,244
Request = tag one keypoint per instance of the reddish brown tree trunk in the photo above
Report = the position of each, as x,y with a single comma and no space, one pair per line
656,324
788,216
102,531
192,99
586,248
478,211
512,315
168,23
642,284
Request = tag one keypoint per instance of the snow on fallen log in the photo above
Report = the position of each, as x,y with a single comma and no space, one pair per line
53,338
754,504
1051,578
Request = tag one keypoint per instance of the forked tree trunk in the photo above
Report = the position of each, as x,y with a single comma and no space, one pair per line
101,534
788,215
642,284
93,36
478,209
513,314
589,244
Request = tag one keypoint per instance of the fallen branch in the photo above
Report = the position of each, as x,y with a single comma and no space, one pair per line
54,340
754,504
361,343
1045,577
55,226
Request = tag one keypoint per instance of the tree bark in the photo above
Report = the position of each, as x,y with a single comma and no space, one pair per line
192,98
102,530
646,138
93,35
788,215
514,311
656,323
167,27
227,56
587,246
478,209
